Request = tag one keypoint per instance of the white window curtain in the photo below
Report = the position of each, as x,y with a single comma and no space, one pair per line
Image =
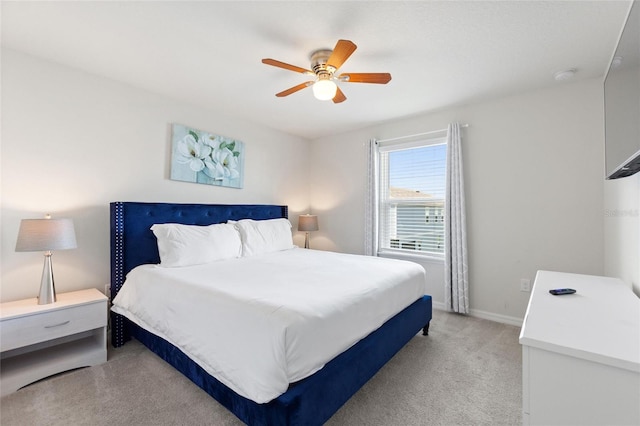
456,280
371,206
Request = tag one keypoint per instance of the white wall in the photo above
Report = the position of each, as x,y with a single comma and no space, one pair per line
622,230
534,180
73,142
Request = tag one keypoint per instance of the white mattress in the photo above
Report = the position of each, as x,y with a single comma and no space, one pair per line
259,323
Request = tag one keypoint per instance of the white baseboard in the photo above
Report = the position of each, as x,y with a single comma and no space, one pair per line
504,319
437,305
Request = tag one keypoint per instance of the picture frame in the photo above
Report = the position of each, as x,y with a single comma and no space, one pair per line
203,157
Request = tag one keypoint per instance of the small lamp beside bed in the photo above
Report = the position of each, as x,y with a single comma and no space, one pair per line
46,235
307,223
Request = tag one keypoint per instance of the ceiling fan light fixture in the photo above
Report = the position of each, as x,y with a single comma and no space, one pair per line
325,63
324,89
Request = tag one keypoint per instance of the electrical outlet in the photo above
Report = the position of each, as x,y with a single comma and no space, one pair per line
525,284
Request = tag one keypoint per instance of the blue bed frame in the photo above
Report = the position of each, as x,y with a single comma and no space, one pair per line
311,401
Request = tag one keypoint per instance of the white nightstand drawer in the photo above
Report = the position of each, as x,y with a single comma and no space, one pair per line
44,326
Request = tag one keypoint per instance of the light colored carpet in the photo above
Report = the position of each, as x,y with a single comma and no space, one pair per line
468,371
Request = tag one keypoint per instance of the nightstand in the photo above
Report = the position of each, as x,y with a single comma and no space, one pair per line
37,341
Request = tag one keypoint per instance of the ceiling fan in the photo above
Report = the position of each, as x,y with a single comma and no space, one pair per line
325,63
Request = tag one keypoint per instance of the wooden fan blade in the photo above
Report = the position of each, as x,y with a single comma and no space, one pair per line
294,89
339,97
342,51
366,77
289,67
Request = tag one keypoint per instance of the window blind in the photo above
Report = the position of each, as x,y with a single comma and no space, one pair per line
412,196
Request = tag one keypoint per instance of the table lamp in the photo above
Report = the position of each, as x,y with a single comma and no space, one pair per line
46,235
307,223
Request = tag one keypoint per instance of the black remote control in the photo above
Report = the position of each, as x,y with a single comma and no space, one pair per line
561,291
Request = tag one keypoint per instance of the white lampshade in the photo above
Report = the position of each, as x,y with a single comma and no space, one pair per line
308,222
46,235
324,90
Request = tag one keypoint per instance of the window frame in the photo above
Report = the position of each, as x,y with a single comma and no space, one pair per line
383,190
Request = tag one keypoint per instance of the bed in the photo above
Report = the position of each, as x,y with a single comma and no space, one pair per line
310,400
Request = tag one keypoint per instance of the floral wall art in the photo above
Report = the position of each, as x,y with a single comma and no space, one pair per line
201,157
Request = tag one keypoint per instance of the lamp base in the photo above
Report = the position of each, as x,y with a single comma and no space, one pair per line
306,240
47,288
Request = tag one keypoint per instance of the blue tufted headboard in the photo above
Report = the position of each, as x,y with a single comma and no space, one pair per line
133,243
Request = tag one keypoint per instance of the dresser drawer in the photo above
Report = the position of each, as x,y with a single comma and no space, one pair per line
44,326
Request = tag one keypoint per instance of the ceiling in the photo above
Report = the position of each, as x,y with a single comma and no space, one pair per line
208,53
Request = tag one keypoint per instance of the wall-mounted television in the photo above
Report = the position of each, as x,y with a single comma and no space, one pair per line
622,101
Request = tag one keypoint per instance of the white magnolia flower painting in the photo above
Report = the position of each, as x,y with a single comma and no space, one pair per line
201,157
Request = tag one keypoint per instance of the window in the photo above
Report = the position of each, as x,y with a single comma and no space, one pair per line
412,197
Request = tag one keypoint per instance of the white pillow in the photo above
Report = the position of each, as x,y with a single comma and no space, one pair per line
264,236
184,245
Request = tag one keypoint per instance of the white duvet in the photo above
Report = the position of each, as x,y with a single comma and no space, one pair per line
259,323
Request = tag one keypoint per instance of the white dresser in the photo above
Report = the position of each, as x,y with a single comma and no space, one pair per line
37,341
581,352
